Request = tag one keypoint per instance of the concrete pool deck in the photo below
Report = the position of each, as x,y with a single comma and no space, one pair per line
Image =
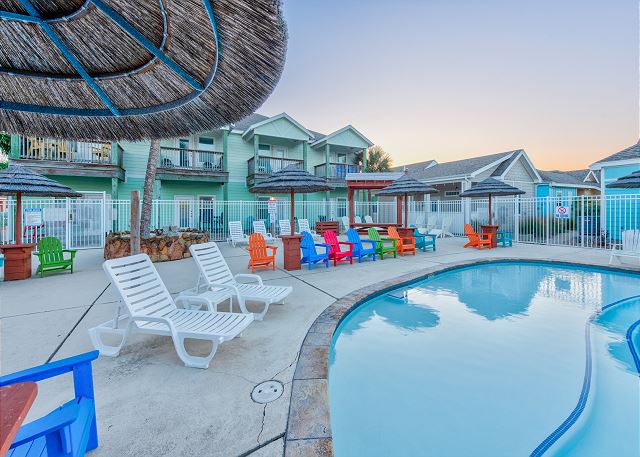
148,403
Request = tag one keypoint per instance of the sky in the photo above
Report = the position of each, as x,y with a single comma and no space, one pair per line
450,79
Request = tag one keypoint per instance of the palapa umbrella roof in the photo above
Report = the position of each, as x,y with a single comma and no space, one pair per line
406,185
135,69
291,178
491,187
631,181
17,178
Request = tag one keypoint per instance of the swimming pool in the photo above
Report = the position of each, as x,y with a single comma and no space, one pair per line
499,359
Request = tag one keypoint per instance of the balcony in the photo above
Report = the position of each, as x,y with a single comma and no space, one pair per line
337,172
266,166
69,158
191,164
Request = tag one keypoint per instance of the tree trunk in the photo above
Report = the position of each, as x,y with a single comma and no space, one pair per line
147,197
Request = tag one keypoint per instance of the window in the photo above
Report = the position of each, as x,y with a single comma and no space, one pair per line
206,144
264,149
451,193
342,158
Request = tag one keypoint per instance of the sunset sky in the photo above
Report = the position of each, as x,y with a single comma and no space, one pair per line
449,79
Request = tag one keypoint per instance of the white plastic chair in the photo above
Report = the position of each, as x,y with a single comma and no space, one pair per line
217,276
368,219
303,226
150,309
420,221
260,227
285,227
345,223
629,246
357,220
446,227
432,222
236,235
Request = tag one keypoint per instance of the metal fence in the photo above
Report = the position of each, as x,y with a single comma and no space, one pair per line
586,221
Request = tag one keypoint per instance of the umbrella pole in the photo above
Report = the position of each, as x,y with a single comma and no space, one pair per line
18,226
490,211
406,210
292,214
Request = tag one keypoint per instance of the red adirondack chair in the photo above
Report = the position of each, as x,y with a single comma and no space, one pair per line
335,252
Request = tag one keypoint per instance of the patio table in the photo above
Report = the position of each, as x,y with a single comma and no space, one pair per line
16,401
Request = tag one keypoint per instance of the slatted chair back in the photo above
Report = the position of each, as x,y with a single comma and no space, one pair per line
357,220
235,230
393,233
345,222
468,231
139,285
307,245
631,241
260,227
374,234
213,267
353,237
368,219
285,226
51,249
432,221
257,246
332,240
303,225
419,220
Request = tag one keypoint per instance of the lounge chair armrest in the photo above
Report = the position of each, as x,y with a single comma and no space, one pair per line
373,243
273,249
323,245
73,252
49,370
256,278
348,243
160,320
55,420
432,236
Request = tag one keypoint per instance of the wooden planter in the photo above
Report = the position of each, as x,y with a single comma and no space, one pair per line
322,227
17,261
291,251
493,229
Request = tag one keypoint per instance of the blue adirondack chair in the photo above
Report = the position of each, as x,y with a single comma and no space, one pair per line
69,430
424,240
310,255
358,249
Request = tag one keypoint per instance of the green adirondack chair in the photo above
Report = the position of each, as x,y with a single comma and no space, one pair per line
381,248
51,256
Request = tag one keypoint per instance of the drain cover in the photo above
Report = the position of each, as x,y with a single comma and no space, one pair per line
267,391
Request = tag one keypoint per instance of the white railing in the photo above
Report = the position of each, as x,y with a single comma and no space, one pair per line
585,221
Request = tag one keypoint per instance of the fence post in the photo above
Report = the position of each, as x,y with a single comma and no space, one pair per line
516,221
134,233
582,220
103,217
67,229
548,220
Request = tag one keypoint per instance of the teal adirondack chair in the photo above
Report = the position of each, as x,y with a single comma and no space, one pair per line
51,256
381,247
424,240
505,238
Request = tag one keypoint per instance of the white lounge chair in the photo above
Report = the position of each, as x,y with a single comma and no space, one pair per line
236,235
217,277
150,309
260,227
357,220
432,222
420,221
628,247
285,227
368,219
345,223
446,227
303,226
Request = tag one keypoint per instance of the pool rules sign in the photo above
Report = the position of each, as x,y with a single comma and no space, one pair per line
563,212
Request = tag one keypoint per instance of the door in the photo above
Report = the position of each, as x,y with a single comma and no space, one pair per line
208,219
85,220
183,211
183,145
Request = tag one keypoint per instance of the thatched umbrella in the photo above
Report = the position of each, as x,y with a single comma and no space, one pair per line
405,186
18,180
291,180
135,69
631,181
491,187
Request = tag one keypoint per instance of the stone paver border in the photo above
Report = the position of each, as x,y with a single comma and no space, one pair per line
308,431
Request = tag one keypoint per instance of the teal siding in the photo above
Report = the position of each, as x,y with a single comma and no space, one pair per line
621,213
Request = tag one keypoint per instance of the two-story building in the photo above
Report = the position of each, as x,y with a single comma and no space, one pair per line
219,165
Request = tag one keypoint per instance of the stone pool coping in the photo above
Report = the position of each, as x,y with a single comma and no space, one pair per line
308,432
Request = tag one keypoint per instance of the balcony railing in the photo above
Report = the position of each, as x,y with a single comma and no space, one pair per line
268,165
191,159
37,148
336,170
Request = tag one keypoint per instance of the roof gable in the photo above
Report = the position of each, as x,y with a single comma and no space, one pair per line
630,155
519,157
457,168
347,136
280,126
573,178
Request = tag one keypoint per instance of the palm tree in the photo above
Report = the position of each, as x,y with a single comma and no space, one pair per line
377,160
147,196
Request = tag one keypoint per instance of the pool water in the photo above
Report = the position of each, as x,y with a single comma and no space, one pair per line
490,360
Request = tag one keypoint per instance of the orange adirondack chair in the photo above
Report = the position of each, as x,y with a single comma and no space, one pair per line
403,244
259,258
477,240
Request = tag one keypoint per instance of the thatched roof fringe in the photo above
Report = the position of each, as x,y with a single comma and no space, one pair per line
17,178
291,178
